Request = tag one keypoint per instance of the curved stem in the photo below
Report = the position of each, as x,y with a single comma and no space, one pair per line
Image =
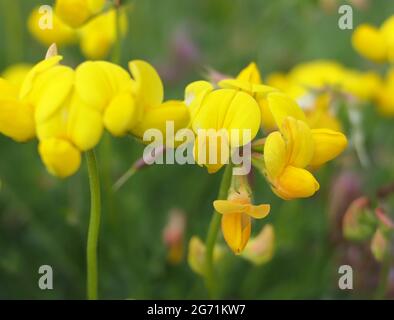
213,233
94,226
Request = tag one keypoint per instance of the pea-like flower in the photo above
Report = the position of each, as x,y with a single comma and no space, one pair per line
69,109
295,147
237,213
222,119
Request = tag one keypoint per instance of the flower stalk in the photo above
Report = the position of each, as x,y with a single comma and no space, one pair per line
94,226
213,232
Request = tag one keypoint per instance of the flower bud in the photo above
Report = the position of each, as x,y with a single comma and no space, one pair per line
359,222
380,246
196,255
260,249
173,234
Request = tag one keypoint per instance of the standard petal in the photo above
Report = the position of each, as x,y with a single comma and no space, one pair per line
149,88
295,183
328,145
274,155
93,85
282,106
54,92
236,228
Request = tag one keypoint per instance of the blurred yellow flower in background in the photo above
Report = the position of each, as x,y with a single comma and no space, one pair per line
76,12
81,22
376,44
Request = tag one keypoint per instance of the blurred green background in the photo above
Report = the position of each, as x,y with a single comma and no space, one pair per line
43,220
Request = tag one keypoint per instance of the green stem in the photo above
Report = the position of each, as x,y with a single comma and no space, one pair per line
94,226
213,233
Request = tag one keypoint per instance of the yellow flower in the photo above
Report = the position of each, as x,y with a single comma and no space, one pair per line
376,44
60,33
249,81
76,12
98,36
260,249
237,214
221,120
129,105
289,151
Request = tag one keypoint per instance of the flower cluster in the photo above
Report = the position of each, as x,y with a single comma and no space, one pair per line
85,22
69,109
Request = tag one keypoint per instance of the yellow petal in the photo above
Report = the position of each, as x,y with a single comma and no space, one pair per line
54,92
274,155
85,125
73,12
156,118
17,120
149,88
229,109
92,85
296,183
60,33
227,206
119,116
328,145
299,142
250,74
60,157
236,228
258,212
33,75
195,93
282,106
369,42
212,150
